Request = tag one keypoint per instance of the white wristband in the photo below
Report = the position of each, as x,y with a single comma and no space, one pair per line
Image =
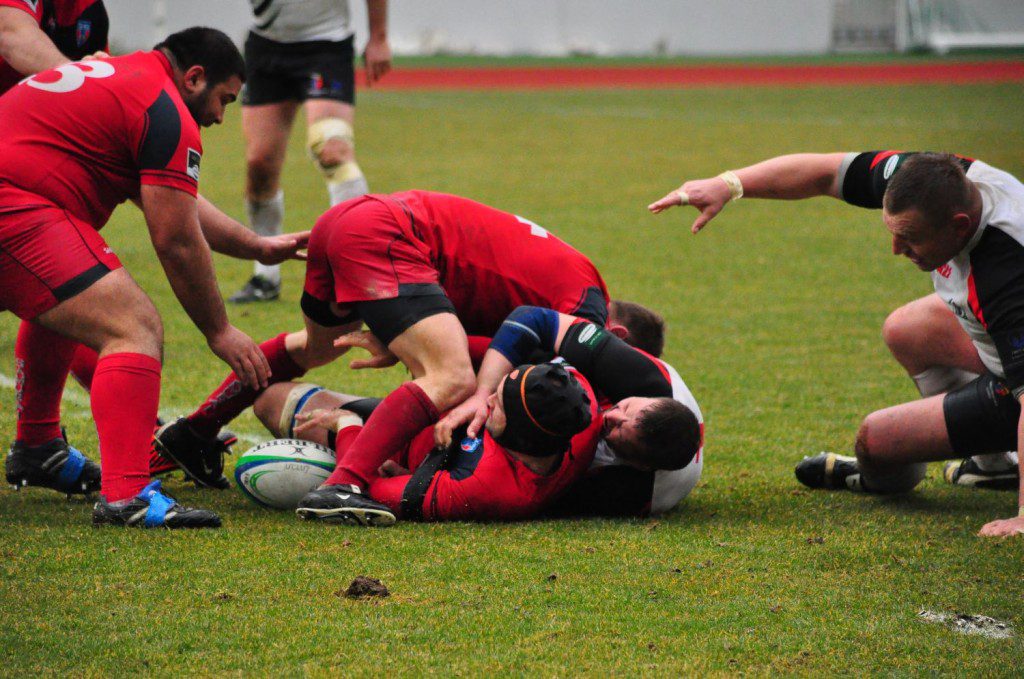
734,184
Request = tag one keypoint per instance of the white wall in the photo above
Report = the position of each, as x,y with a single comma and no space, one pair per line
542,27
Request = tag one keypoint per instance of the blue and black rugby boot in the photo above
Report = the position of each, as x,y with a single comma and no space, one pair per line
200,458
344,504
55,465
152,509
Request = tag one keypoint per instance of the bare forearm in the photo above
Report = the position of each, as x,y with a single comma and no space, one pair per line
492,369
377,18
189,268
23,44
226,235
792,177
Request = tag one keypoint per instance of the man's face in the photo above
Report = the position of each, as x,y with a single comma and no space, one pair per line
621,429
923,244
205,103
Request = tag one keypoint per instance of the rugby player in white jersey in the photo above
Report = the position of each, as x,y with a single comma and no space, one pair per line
300,52
963,221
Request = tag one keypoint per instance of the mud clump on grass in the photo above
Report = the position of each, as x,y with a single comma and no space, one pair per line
363,588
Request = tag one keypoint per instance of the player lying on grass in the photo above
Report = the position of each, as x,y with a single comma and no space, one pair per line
961,220
85,137
421,269
540,437
650,455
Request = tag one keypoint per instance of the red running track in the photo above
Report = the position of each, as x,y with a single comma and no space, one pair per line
542,78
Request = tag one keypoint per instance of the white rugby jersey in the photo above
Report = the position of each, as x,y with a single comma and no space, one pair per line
670,486
302,20
984,284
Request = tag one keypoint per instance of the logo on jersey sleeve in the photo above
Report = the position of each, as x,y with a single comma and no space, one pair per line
891,165
192,168
589,335
470,445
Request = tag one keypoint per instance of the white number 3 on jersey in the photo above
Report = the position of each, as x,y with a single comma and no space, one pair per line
71,76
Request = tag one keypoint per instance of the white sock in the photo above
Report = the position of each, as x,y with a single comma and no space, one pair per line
899,480
996,462
940,379
339,192
267,219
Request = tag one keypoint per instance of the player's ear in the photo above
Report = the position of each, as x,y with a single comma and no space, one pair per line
195,78
962,224
619,331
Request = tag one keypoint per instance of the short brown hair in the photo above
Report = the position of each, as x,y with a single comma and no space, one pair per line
934,184
669,435
646,327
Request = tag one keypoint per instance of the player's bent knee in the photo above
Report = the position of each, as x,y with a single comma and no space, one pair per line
268,405
331,146
450,387
865,446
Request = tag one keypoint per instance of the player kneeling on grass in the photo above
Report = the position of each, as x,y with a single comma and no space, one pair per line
540,436
961,220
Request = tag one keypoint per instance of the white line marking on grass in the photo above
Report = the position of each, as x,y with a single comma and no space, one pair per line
81,409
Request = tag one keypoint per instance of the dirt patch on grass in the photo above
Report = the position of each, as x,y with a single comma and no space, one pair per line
970,624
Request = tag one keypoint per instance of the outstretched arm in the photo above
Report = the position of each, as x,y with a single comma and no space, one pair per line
791,177
228,237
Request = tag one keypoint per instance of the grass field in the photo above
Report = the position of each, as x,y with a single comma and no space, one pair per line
774,315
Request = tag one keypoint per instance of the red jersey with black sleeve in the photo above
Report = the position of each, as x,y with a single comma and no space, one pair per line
484,482
84,137
77,28
983,285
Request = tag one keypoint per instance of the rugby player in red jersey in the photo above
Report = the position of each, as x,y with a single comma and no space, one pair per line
959,219
540,437
36,35
420,269
79,140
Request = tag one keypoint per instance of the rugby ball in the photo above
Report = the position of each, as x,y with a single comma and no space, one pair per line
278,473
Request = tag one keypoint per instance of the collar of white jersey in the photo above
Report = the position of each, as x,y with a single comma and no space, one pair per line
986,213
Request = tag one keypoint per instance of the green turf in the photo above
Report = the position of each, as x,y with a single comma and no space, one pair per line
774,316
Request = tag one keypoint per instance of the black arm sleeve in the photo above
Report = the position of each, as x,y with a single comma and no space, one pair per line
864,178
614,368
